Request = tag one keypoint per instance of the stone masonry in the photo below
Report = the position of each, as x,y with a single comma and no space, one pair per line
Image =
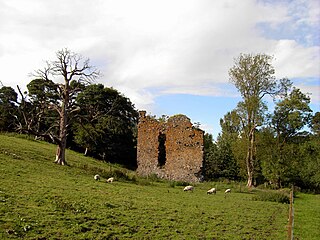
171,149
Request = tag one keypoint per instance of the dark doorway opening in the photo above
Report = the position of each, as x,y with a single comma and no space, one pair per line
162,150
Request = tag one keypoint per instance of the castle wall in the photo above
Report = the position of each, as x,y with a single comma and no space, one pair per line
183,148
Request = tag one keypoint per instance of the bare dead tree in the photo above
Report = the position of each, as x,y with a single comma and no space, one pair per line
69,71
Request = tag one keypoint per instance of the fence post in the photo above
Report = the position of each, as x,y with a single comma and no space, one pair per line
291,216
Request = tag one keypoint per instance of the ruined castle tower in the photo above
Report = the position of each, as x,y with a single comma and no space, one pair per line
171,149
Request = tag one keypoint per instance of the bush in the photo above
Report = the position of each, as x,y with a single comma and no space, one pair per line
272,196
178,183
154,178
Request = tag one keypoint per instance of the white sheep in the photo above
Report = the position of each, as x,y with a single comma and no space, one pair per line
188,188
96,177
227,191
110,180
212,190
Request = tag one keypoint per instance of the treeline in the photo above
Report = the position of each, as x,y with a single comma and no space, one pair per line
63,105
103,124
280,162
266,148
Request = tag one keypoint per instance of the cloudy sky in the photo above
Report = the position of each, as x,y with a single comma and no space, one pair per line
167,56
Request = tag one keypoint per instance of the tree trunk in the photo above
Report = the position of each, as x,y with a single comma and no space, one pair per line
249,168
250,157
61,149
60,155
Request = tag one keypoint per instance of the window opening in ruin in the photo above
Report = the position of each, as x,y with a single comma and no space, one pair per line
162,150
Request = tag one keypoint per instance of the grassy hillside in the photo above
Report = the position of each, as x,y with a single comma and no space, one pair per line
41,200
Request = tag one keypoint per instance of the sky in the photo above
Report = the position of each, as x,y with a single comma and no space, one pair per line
167,56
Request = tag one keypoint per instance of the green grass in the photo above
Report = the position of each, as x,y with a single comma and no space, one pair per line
307,217
42,200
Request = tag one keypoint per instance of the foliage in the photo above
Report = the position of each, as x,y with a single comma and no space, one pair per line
232,133
8,108
98,119
267,152
36,115
253,76
280,144
272,196
106,124
291,114
219,160
315,123
309,165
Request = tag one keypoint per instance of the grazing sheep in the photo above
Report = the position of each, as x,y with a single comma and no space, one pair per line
110,180
97,177
227,191
212,190
188,188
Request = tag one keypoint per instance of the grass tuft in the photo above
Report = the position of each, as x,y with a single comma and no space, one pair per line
272,196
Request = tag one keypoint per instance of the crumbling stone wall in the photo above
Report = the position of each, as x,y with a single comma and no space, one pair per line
171,149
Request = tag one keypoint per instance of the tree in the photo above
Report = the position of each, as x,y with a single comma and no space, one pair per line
253,76
8,108
210,168
219,159
309,164
315,123
34,115
292,113
232,133
69,72
106,124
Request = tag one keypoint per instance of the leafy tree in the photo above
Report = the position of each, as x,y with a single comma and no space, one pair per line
268,153
292,113
281,161
229,168
35,116
8,108
231,125
209,167
220,162
106,124
315,123
253,76
309,164
65,78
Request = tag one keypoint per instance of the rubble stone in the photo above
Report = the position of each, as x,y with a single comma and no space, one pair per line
171,149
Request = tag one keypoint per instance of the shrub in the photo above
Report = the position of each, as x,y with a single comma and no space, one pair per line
272,196
154,178
178,183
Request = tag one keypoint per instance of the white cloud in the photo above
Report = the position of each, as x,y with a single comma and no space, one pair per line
295,61
147,47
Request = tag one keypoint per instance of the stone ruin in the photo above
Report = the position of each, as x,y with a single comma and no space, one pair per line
171,149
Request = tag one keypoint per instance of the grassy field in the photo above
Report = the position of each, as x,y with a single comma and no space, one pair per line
41,200
307,217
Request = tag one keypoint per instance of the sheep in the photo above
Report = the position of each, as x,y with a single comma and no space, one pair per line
227,191
188,188
212,190
96,177
110,180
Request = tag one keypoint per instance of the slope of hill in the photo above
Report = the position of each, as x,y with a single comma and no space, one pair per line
42,200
